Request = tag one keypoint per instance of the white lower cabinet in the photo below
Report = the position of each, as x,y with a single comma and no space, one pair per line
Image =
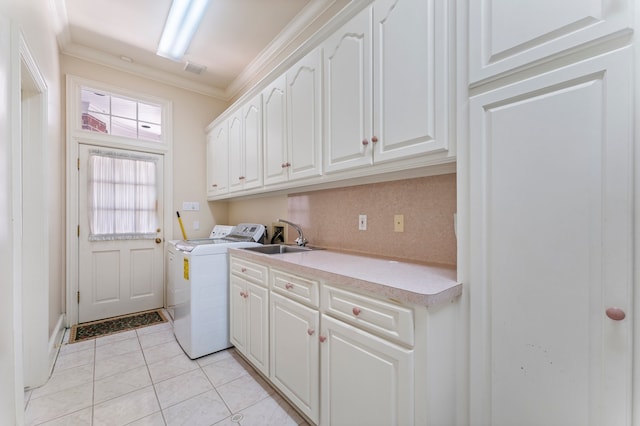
249,319
365,380
295,354
343,357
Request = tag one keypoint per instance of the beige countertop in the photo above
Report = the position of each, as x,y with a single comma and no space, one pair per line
401,281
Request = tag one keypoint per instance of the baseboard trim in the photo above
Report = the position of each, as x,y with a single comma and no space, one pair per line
55,341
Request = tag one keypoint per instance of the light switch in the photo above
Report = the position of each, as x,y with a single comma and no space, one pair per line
193,206
398,223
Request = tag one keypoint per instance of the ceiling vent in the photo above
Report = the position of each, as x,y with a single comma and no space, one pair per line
194,68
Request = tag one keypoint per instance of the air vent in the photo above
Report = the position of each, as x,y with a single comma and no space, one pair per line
194,68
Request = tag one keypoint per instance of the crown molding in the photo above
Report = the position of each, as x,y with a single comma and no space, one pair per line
302,21
114,62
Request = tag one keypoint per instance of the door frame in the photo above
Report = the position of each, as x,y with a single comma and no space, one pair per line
75,136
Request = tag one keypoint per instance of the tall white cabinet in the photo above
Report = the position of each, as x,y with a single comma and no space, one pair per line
551,217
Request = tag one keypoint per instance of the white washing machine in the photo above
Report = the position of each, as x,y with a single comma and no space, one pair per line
201,313
174,271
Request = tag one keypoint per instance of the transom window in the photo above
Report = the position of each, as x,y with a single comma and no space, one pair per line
118,115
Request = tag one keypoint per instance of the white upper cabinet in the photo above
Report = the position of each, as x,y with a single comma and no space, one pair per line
411,77
218,160
386,78
347,94
274,110
292,128
506,35
304,112
551,239
245,146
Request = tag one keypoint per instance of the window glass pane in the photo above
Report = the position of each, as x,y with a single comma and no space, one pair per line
150,113
123,107
120,116
95,101
96,122
124,127
122,198
150,131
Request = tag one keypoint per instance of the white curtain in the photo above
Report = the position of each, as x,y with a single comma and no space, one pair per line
122,196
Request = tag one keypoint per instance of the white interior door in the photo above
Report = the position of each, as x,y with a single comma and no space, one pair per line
120,263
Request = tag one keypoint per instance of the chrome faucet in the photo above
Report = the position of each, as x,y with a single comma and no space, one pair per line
300,240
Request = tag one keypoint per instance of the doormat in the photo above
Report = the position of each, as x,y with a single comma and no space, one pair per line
91,330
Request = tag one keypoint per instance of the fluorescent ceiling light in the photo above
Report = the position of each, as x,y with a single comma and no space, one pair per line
182,23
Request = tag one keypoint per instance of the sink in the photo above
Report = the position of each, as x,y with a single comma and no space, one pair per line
278,249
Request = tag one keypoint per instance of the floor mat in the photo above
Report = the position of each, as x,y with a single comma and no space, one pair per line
91,330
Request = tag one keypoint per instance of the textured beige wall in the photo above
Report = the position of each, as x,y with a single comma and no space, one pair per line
192,113
329,218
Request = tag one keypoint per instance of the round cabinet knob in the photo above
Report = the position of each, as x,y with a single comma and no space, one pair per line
310,331
374,139
283,165
215,185
241,177
288,164
288,286
616,314
365,142
244,269
356,311
322,338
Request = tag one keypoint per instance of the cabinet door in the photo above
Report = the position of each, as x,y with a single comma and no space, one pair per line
252,150
238,313
551,172
347,88
218,161
295,353
411,78
258,327
505,35
304,117
275,132
365,380
236,152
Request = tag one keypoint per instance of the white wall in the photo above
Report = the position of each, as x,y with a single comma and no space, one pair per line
264,210
32,17
192,112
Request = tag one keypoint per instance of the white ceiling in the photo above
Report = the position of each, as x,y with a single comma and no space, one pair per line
235,37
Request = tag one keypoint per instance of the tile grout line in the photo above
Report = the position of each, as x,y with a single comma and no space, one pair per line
93,392
155,391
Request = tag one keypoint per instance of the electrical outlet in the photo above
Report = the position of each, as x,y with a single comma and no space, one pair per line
362,222
398,223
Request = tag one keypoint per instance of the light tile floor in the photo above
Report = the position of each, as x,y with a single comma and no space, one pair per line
142,377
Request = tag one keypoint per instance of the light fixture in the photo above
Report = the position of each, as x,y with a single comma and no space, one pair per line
182,23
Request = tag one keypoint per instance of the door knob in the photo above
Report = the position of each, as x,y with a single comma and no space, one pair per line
616,314
158,240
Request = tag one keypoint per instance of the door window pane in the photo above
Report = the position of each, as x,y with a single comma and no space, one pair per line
122,197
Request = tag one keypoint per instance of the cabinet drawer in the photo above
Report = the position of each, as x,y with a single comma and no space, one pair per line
386,319
248,270
297,288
